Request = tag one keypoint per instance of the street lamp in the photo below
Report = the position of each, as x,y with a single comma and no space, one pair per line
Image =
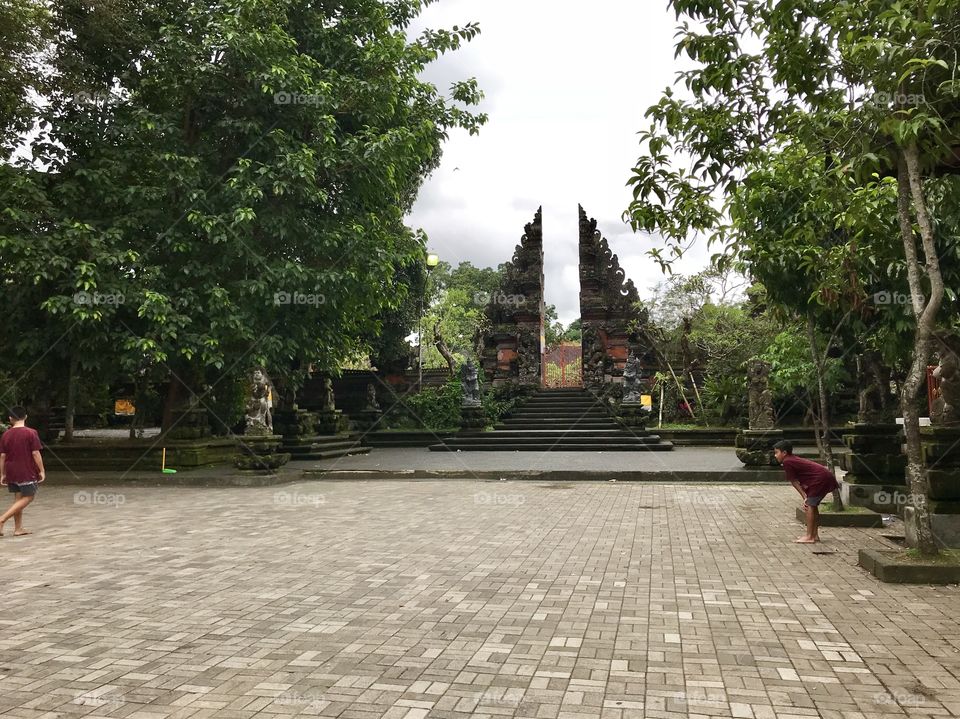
432,261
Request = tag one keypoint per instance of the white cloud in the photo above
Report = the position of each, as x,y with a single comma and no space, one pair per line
567,86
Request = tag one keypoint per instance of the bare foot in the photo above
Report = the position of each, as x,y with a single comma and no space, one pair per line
22,532
807,540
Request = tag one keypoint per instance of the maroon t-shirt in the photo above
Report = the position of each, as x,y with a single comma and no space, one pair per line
19,444
814,479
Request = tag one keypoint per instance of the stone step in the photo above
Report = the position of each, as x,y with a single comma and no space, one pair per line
564,407
553,432
453,446
412,438
559,400
560,411
549,423
334,453
573,436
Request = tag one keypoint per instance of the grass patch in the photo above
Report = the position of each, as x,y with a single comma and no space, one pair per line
847,509
946,556
676,425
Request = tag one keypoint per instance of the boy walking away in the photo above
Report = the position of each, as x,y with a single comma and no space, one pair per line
21,467
812,480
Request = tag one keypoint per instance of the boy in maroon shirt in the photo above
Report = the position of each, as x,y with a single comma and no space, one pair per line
812,480
21,467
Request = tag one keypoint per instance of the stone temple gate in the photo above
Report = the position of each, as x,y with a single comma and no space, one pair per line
512,348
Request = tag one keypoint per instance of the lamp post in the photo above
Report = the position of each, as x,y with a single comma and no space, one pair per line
432,261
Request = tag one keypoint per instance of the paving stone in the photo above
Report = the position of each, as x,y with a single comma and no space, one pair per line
410,599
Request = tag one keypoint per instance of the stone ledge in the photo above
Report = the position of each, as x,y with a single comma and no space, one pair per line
845,519
738,476
888,566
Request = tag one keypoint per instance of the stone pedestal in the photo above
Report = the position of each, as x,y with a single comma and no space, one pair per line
755,446
259,453
941,459
328,421
189,423
369,419
293,424
472,418
875,467
633,415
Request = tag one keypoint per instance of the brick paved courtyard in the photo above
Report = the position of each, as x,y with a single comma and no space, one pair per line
457,599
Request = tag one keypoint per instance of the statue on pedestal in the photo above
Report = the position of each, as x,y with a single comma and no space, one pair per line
471,385
327,400
758,394
873,381
631,376
946,407
259,405
372,404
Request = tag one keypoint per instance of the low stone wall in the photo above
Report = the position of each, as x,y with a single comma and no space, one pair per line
350,388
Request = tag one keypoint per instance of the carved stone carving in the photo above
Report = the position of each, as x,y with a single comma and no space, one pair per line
946,408
327,400
510,346
873,381
612,325
758,394
372,404
259,419
631,376
471,385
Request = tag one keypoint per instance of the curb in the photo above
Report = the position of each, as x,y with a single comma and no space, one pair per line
553,475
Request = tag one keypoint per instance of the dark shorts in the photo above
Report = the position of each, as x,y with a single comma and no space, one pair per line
814,501
27,489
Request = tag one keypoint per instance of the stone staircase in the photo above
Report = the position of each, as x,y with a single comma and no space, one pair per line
557,420
326,447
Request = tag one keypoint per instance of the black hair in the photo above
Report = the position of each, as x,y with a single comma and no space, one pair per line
785,445
17,413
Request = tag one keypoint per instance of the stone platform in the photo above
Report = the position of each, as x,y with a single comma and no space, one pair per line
683,464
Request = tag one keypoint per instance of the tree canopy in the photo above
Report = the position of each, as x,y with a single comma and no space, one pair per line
216,186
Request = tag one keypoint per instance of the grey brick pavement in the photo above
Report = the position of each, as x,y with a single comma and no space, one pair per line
457,599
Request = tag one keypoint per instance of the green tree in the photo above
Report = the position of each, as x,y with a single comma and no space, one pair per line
457,298
870,85
238,173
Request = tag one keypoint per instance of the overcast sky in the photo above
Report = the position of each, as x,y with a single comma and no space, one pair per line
566,88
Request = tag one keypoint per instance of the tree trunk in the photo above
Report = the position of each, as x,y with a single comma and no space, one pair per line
71,408
444,350
821,426
909,186
174,393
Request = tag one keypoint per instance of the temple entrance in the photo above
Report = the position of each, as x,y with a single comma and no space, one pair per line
511,345
563,366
